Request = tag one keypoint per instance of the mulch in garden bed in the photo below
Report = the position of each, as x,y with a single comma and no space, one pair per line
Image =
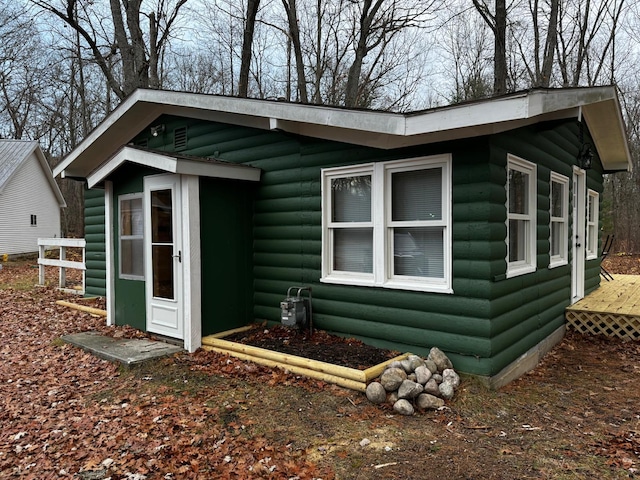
320,346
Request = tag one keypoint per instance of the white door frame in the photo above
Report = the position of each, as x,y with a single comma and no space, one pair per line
578,257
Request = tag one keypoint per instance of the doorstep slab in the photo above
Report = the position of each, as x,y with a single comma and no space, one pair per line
122,350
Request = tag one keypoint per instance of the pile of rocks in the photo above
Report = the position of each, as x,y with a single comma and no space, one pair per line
416,382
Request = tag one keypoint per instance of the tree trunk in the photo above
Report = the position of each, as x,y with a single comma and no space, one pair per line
294,35
500,52
247,42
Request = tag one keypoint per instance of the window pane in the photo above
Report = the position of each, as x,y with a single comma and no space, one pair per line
518,231
161,217
131,257
518,192
557,197
417,195
418,252
131,217
351,199
162,259
557,232
353,250
591,208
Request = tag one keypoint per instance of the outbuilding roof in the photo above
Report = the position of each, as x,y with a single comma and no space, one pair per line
599,107
13,154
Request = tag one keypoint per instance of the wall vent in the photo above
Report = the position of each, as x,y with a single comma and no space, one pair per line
180,138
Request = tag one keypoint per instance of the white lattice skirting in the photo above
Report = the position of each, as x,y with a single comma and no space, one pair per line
626,327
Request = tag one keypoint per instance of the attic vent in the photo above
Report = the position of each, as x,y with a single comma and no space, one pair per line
180,138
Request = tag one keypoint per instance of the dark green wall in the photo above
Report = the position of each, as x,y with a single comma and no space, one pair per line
486,324
226,252
130,294
95,256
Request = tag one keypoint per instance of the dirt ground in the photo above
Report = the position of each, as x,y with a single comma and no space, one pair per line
67,414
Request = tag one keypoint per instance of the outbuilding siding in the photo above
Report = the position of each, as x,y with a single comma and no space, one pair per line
27,192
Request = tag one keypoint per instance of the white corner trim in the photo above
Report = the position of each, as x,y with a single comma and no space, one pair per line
191,262
108,241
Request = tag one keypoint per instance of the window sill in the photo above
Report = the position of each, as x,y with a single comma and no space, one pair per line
520,270
592,256
558,263
131,277
391,284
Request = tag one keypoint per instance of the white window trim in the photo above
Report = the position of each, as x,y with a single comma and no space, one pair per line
563,258
122,198
380,222
592,233
528,265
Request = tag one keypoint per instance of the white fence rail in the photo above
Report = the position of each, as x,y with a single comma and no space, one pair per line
62,263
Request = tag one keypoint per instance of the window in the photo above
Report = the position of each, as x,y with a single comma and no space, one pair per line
521,216
592,224
34,221
388,224
559,220
131,237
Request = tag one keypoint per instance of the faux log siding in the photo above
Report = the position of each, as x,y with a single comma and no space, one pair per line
487,323
530,307
287,245
95,252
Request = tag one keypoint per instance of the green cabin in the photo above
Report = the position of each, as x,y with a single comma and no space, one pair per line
469,227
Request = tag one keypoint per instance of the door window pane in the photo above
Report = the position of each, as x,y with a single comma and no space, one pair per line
162,261
161,216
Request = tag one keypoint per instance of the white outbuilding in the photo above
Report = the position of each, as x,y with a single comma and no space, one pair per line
30,199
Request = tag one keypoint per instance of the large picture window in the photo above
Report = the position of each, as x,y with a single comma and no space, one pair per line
388,224
559,202
592,224
521,216
131,237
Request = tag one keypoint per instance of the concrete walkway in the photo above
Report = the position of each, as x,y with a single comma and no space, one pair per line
126,351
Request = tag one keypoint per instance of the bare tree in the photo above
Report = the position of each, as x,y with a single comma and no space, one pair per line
139,54
497,22
247,45
294,36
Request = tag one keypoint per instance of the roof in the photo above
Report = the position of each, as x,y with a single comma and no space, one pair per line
598,106
14,153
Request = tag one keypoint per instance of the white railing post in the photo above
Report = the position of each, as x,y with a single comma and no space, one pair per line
63,273
41,254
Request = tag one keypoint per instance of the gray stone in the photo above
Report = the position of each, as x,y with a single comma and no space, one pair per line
431,365
446,390
406,365
423,374
412,377
415,361
392,378
449,375
376,393
395,364
392,397
409,389
403,407
440,359
427,401
437,377
431,387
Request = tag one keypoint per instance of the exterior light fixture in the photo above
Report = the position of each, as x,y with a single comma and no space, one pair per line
157,130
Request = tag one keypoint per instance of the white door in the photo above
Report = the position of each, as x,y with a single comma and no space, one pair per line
163,255
579,235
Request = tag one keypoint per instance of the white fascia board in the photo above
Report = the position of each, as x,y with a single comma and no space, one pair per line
171,164
139,157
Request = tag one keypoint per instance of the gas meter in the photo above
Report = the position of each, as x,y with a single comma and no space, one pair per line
296,311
